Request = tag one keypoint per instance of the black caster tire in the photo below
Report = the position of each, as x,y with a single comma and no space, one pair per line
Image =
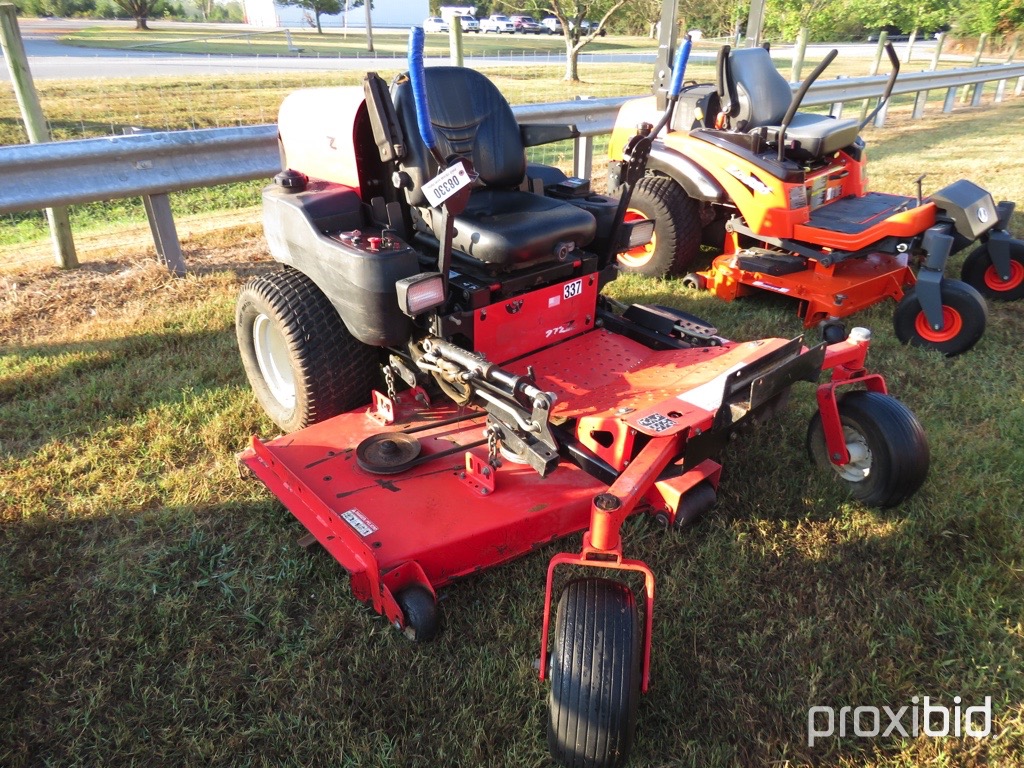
964,312
979,273
833,332
695,282
677,228
595,675
889,453
421,615
303,364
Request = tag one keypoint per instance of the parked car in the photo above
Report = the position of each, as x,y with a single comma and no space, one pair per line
498,23
552,25
435,24
589,27
526,25
469,24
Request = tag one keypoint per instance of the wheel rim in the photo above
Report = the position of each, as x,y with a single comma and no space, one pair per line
995,283
952,324
271,349
639,256
858,468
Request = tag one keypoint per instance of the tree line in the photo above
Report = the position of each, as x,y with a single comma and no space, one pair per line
825,20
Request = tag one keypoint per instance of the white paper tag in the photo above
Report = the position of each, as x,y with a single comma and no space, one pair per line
446,184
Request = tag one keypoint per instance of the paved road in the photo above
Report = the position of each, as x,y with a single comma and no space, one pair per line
49,59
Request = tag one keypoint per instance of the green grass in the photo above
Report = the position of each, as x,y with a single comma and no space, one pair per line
386,43
156,610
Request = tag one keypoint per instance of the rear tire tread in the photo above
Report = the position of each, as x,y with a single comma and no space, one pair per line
677,227
334,371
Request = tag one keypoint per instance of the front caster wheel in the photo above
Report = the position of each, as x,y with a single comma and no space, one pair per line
420,611
964,314
979,272
595,675
888,449
695,282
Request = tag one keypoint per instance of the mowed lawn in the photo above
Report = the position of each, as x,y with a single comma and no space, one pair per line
156,609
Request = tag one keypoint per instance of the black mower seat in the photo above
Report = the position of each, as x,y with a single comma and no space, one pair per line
512,227
502,225
760,97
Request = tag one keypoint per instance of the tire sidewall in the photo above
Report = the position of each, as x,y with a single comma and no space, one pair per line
977,264
899,451
956,295
250,307
677,230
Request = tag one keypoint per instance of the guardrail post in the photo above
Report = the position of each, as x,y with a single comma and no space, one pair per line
583,152
165,234
977,61
35,126
879,120
455,40
1001,87
921,100
799,50
161,224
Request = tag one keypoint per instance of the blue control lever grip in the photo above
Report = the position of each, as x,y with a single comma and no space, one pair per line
419,87
676,84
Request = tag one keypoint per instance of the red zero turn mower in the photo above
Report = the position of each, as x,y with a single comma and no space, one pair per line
518,406
783,195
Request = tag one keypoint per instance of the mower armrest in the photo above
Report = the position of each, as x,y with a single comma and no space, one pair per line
535,134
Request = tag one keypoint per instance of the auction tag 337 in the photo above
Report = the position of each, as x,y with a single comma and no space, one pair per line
446,184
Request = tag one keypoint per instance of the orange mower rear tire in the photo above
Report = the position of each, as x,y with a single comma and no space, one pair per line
677,228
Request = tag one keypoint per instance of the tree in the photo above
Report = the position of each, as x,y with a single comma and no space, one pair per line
784,18
140,10
316,8
988,16
571,14
921,15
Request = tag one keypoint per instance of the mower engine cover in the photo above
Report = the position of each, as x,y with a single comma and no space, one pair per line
317,132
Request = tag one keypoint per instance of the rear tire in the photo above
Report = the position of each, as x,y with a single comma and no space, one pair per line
979,273
595,675
889,455
677,228
303,364
964,317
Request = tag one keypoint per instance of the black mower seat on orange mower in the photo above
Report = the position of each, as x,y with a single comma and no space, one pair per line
757,100
502,225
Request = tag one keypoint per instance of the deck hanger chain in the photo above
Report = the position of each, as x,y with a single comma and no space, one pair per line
389,382
492,446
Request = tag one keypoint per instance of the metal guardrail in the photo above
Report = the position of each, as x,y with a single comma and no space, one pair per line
151,165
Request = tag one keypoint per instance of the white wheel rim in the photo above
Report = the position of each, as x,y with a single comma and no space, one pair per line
859,466
272,355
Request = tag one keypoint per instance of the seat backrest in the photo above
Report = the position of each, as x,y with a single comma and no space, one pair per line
470,118
762,95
